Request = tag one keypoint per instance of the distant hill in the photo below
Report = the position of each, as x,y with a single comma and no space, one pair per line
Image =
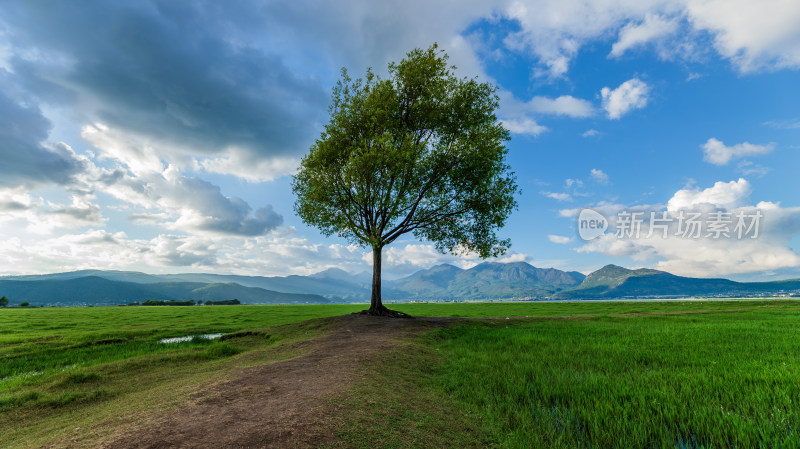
612,276
425,283
96,290
489,280
83,290
328,286
613,281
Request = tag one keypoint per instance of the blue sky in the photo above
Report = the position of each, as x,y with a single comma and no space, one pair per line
161,136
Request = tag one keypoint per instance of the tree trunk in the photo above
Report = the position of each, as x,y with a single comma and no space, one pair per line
376,307
375,304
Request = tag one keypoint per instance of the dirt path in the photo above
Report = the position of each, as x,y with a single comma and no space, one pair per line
283,404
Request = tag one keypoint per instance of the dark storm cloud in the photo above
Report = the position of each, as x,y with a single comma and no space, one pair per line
173,71
25,160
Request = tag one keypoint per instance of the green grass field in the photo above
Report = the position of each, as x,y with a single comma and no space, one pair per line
596,374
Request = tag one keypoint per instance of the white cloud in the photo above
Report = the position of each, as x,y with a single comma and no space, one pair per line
93,248
717,153
707,255
558,196
554,31
524,126
784,124
250,168
189,203
20,213
652,28
727,195
81,211
411,257
630,95
748,168
693,76
754,35
560,239
569,183
520,116
139,157
599,176
563,105
182,251
15,201
276,254
569,213
591,133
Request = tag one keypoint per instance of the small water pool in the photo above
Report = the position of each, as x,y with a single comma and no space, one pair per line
189,338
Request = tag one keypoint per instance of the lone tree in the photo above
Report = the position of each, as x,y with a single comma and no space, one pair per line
3,301
421,152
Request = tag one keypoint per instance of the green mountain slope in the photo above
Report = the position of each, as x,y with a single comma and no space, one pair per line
485,281
96,290
612,276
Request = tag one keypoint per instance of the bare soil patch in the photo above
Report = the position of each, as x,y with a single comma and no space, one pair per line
284,404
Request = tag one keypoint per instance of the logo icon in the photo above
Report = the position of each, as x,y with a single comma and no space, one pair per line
591,224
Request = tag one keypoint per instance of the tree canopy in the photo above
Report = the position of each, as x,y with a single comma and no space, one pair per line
419,152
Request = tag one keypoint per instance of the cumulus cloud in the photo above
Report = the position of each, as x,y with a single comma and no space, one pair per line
191,203
632,35
753,35
91,249
520,117
726,195
630,95
137,156
22,212
765,248
15,201
171,199
181,251
554,31
248,166
717,153
564,105
80,211
524,126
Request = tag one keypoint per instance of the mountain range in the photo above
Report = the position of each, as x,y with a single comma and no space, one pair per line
487,281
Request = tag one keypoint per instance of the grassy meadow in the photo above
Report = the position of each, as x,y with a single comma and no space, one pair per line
594,374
